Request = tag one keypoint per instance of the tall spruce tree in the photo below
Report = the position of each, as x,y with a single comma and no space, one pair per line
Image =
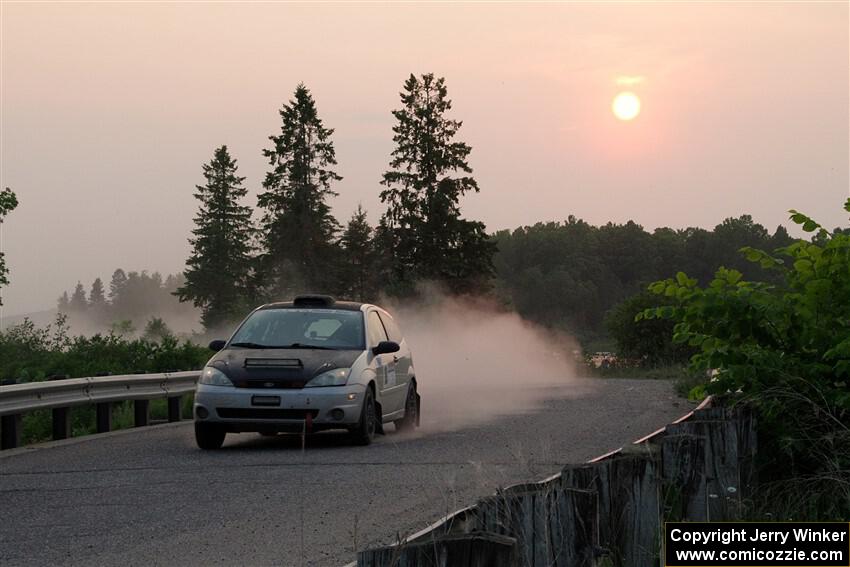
63,303
78,303
218,273
297,227
97,302
8,202
117,285
96,296
428,174
358,281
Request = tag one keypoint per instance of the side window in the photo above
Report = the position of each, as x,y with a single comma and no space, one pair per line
392,329
375,329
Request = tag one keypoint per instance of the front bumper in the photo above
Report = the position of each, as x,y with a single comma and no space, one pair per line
231,407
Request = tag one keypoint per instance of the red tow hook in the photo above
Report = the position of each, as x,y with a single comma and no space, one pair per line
308,422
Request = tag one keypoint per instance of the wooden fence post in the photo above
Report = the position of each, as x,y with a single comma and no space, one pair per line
635,509
721,466
683,486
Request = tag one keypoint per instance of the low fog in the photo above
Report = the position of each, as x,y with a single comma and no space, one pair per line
475,361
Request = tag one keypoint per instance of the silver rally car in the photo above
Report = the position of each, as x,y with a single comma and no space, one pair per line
310,364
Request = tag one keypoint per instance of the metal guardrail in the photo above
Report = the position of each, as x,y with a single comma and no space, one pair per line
102,391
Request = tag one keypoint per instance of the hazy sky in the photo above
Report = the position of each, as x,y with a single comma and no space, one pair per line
110,109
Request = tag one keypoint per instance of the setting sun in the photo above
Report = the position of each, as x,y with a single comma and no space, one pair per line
626,106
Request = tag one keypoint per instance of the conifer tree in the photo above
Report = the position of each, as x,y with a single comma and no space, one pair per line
97,302
78,303
297,227
96,295
428,175
219,270
63,304
117,285
358,258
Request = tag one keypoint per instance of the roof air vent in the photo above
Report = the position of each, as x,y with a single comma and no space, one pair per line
312,300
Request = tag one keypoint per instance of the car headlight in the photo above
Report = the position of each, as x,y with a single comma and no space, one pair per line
335,377
214,377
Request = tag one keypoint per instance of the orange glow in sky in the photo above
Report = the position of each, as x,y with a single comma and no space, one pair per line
735,108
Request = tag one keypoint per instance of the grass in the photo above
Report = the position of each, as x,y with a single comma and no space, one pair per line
660,372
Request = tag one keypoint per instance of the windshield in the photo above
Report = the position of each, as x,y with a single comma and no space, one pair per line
302,328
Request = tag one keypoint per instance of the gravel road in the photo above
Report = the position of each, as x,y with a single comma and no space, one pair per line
150,497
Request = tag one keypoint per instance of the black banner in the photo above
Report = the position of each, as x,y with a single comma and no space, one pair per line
757,544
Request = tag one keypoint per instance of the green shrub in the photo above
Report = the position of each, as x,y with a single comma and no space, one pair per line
648,341
29,353
785,348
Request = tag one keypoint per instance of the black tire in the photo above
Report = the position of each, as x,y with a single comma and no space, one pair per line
410,421
209,436
364,432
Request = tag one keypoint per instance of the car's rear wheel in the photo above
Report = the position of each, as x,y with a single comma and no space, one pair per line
364,431
411,411
209,436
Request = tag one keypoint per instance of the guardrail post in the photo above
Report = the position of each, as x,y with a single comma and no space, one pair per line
141,412
174,409
104,417
61,423
11,434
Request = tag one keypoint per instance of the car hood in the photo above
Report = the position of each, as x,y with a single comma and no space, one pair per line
279,368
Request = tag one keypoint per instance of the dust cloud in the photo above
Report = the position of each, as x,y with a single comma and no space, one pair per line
475,361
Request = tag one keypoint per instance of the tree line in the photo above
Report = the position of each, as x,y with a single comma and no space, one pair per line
572,274
588,280
135,301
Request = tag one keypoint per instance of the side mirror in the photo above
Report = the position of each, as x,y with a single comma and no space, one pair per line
217,345
386,347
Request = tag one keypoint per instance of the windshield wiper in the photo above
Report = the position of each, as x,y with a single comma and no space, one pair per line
250,345
302,345
293,345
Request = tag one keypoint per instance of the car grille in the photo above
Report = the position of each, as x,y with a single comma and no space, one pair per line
265,413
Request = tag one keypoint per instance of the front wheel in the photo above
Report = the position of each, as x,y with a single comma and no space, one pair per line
209,436
410,421
364,432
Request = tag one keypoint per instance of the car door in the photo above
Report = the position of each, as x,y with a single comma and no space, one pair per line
403,358
390,391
